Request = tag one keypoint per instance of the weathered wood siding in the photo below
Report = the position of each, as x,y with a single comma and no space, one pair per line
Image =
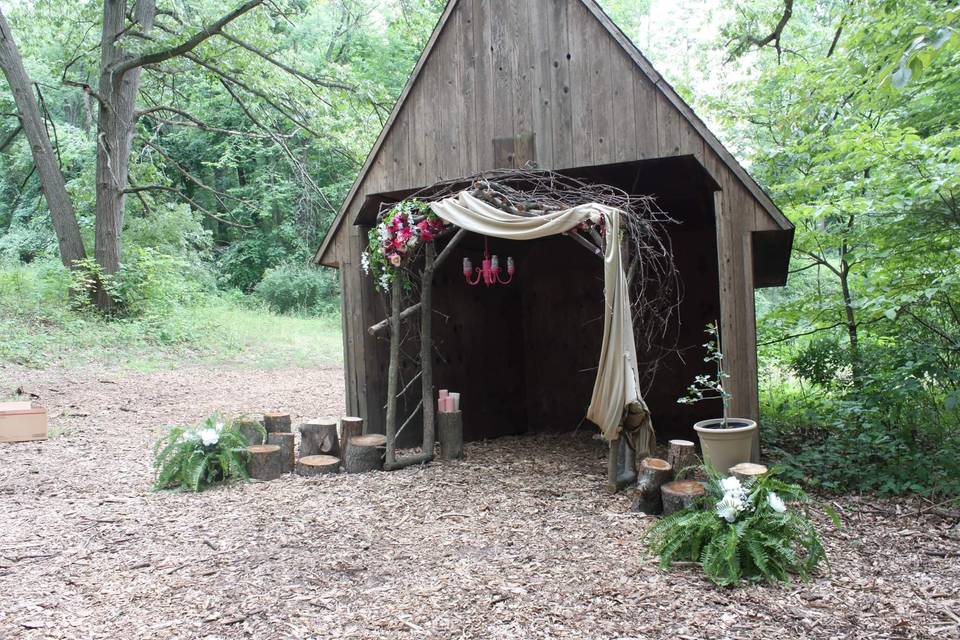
546,81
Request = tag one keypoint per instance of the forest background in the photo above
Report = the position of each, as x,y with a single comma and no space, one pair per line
246,123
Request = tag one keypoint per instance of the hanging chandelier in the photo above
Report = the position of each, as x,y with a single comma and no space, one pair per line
489,272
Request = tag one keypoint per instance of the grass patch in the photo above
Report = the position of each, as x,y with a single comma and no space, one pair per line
40,330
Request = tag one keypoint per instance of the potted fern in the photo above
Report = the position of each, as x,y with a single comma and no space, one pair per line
213,451
749,532
725,441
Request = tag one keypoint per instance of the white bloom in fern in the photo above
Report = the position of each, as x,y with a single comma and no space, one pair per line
731,485
776,502
729,507
209,437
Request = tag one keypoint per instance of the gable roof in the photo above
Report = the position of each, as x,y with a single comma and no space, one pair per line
779,220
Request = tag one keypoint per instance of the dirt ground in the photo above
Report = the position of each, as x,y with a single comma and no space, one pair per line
519,540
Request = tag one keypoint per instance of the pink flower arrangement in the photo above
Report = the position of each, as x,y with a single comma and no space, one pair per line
398,235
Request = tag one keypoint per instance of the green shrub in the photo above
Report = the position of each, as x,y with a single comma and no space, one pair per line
194,458
748,533
299,288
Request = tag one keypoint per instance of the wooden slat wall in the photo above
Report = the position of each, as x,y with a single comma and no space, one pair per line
509,81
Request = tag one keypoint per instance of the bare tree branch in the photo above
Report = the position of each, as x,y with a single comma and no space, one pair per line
193,203
189,44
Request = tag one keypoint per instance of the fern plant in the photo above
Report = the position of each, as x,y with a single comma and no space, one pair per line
193,458
743,532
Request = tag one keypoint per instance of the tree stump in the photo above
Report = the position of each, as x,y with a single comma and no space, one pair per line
318,465
365,453
350,426
265,462
682,454
680,494
319,437
747,472
251,430
286,442
450,426
276,422
653,473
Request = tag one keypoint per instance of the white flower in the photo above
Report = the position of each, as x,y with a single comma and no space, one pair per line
209,437
384,281
731,484
729,507
365,262
384,234
776,502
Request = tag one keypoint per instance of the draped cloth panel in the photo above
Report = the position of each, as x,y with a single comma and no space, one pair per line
616,386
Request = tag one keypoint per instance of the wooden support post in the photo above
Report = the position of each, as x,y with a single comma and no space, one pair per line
747,472
286,442
318,465
680,494
364,453
350,426
450,426
265,462
682,455
654,473
276,422
319,437
393,371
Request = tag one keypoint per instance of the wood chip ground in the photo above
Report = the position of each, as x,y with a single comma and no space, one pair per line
518,540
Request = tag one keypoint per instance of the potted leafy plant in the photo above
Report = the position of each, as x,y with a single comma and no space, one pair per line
213,451
752,531
725,441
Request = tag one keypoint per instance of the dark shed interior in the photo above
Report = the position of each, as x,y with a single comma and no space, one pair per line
524,355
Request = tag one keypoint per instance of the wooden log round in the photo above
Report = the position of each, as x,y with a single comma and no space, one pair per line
350,426
318,465
276,422
287,444
450,428
654,472
319,437
365,453
680,494
251,430
265,462
682,454
747,472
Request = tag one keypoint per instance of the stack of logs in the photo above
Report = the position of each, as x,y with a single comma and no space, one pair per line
323,447
658,493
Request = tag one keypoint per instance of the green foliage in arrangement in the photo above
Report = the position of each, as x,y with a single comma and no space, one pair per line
193,458
753,532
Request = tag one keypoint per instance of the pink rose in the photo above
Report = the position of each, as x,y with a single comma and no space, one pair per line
394,259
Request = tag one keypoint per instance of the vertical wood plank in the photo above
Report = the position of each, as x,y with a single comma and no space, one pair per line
690,141
559,55
645,112
668,127
542,94
448,102
503,112
580,84
468,87
432,122
522,72
624,106
484,95
601,92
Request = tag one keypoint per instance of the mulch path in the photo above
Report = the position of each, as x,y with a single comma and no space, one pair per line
519,540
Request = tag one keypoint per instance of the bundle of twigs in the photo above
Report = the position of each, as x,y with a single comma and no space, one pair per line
655,284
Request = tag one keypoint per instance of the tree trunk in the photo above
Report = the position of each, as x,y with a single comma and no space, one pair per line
654,472
450,425
252,431
318,465
277,422
118,94
747,472
680,494
286,442
350,426
265,462
319,437
52,182
682,454
365,453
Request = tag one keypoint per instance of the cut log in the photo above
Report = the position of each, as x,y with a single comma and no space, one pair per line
680,494
252,430
349,427
265,462
654,472
682,454
318,465
365,453
450,426
747,472
319,437
286,442
276,422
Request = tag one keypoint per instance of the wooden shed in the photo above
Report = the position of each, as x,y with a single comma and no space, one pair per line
556,85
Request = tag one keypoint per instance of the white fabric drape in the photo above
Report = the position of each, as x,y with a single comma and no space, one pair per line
616,385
